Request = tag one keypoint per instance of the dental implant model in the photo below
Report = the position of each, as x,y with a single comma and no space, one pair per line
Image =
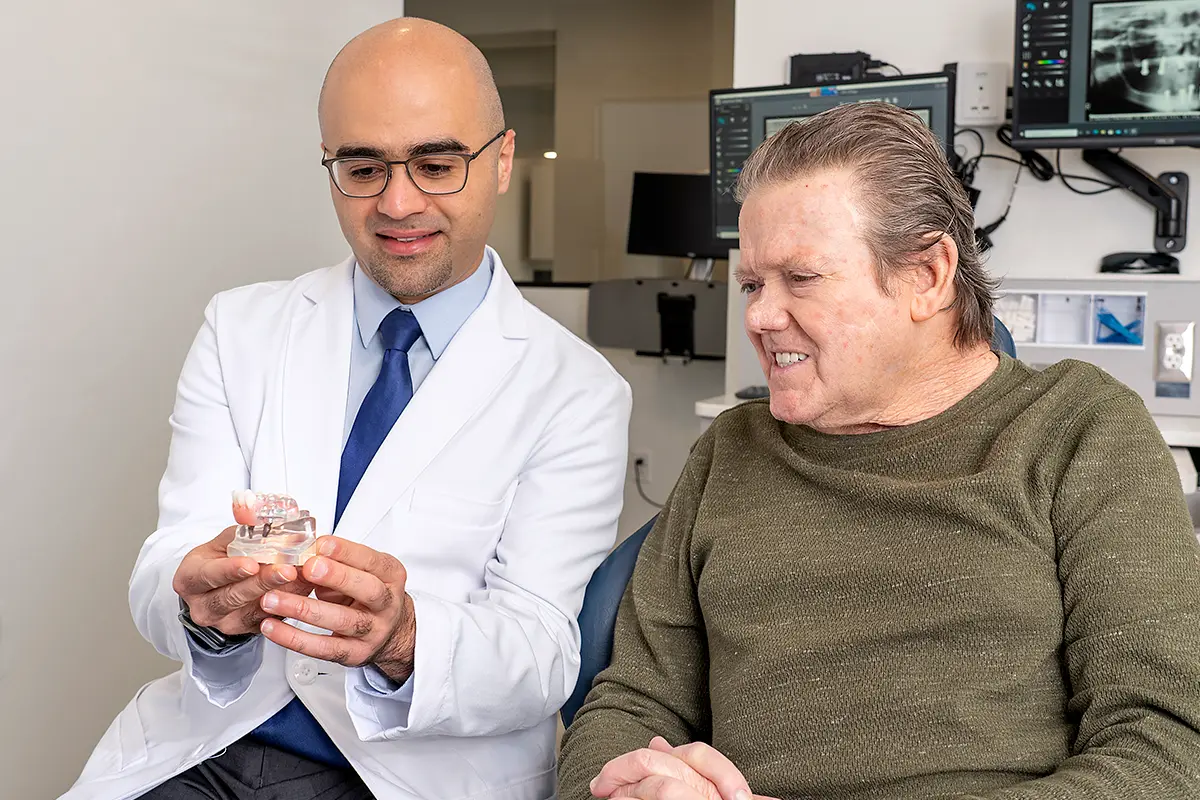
272,529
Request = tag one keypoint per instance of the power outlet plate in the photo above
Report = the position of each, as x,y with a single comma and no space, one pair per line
981,93
1175,353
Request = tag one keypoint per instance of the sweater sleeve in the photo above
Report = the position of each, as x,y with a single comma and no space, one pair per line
1129,566
657,683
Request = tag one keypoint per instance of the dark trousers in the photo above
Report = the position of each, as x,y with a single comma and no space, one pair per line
250,770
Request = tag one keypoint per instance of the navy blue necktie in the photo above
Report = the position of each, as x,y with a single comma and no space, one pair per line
294,729
382,406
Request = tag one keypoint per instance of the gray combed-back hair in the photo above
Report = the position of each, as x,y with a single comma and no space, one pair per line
904,184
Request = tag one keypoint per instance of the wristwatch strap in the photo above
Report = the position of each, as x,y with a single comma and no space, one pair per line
208,638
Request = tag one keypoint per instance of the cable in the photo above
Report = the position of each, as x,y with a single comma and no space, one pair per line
875,64
1009,159
1056,173
966,167
1011,194
974,133
1037,164
638,463
1108,187
1042,169
983,235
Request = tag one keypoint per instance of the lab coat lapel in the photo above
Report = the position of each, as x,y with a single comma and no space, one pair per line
315,384
480,355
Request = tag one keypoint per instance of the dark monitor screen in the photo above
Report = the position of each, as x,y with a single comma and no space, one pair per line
671,215
1092,74
741,119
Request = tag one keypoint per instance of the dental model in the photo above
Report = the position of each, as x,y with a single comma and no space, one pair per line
272,528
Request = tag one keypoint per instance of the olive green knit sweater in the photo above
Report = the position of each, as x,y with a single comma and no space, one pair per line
1002,601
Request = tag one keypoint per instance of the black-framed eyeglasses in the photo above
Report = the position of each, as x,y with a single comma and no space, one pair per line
432,173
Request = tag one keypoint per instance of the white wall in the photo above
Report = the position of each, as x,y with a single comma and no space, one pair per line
153,154
663,425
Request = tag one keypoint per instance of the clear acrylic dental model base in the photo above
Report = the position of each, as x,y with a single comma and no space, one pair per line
272,529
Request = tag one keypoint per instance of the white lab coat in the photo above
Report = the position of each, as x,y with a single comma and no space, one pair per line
499,489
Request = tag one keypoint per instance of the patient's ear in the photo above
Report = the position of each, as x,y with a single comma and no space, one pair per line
932,279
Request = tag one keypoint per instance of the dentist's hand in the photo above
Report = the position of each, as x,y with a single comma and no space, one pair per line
360,600
225,593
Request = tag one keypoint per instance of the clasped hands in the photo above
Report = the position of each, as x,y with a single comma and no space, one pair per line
359,598
695,771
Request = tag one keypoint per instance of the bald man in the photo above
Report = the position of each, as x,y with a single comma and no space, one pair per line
466,453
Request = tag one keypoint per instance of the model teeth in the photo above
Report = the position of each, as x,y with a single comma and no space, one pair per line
787,359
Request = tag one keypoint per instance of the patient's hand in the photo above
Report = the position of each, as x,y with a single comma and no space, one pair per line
694,771
224,593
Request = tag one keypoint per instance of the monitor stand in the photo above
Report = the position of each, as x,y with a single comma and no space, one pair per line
1140,264
701,269
1168,193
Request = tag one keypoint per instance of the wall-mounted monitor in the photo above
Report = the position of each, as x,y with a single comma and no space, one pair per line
1090,74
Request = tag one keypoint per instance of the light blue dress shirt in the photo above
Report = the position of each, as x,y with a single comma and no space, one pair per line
440,318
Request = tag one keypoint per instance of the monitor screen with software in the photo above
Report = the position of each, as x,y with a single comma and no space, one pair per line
1092,74
741,119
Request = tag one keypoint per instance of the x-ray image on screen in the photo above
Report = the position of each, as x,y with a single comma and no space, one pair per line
773,125
1145,59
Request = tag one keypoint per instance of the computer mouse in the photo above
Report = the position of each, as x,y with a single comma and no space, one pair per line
752,393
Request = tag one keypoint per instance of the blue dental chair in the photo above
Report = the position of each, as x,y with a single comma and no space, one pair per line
608,582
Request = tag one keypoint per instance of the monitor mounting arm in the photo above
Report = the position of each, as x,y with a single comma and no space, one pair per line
1168,193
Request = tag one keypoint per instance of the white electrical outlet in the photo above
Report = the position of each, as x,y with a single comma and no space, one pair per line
1174,350
981,94
1176,343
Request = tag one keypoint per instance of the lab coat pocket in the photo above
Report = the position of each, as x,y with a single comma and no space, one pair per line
449,541
459,511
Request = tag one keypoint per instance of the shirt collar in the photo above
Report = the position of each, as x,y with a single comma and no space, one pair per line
440,315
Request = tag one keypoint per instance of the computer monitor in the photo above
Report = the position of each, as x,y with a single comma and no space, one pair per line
1092,74
741,119
671,215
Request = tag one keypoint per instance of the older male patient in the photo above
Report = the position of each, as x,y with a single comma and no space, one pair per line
468,453
921,568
